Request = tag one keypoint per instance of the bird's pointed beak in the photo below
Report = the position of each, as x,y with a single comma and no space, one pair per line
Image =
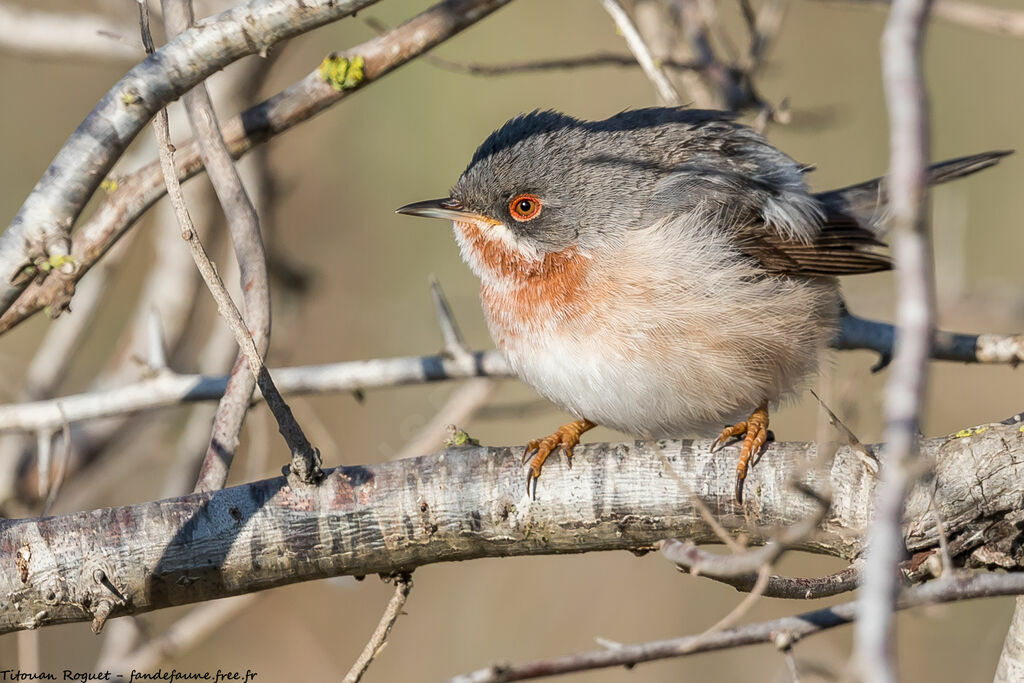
447,209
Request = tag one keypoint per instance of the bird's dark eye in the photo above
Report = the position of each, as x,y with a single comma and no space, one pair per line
524,207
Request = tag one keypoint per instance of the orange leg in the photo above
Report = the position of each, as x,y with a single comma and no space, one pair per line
755,429
567,436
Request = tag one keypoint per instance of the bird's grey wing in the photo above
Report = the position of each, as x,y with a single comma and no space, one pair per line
757,194
852,226
730,174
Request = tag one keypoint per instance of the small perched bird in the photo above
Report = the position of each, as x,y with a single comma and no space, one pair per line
661,272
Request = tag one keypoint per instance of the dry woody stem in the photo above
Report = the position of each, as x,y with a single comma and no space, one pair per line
305,459
915,312
40,232
470,502
295,104
782,633
403,584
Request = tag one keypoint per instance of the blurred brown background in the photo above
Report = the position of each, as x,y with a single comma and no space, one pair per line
407,138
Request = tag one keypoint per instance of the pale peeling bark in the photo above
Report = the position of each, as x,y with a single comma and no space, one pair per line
468,503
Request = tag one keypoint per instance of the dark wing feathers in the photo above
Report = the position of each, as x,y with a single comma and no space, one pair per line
842,248
849,234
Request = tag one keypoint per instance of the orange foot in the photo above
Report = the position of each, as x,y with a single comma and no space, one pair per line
755,429
567,436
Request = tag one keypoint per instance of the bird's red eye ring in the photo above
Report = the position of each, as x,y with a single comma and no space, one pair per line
525,207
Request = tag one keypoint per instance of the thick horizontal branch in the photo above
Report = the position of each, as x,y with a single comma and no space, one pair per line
299,102
471,502
168,388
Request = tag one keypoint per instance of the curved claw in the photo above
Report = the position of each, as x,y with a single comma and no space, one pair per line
532,446
753,444
738,429
565,437
754,431
541,449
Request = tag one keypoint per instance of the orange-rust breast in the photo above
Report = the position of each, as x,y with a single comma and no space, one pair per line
526,295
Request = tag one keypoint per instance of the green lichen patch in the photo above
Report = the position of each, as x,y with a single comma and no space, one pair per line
458,437
55,262
342,73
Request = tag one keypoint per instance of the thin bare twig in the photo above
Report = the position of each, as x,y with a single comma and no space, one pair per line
217,353
403,584
854,442
860,333
44,458
39,235
243,227
666,91
553,64
171,294
762,27
740,610
169,388
306,453
303,452
687,555
253,335
780,632
909,136
62,467
297,103
797,588
454,345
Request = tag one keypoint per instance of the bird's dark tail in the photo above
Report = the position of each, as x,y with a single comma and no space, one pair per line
867,202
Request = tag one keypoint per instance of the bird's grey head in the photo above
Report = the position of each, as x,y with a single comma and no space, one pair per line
545,181
551,182
555,181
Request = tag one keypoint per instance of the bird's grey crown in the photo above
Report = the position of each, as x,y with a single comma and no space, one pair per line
596,178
